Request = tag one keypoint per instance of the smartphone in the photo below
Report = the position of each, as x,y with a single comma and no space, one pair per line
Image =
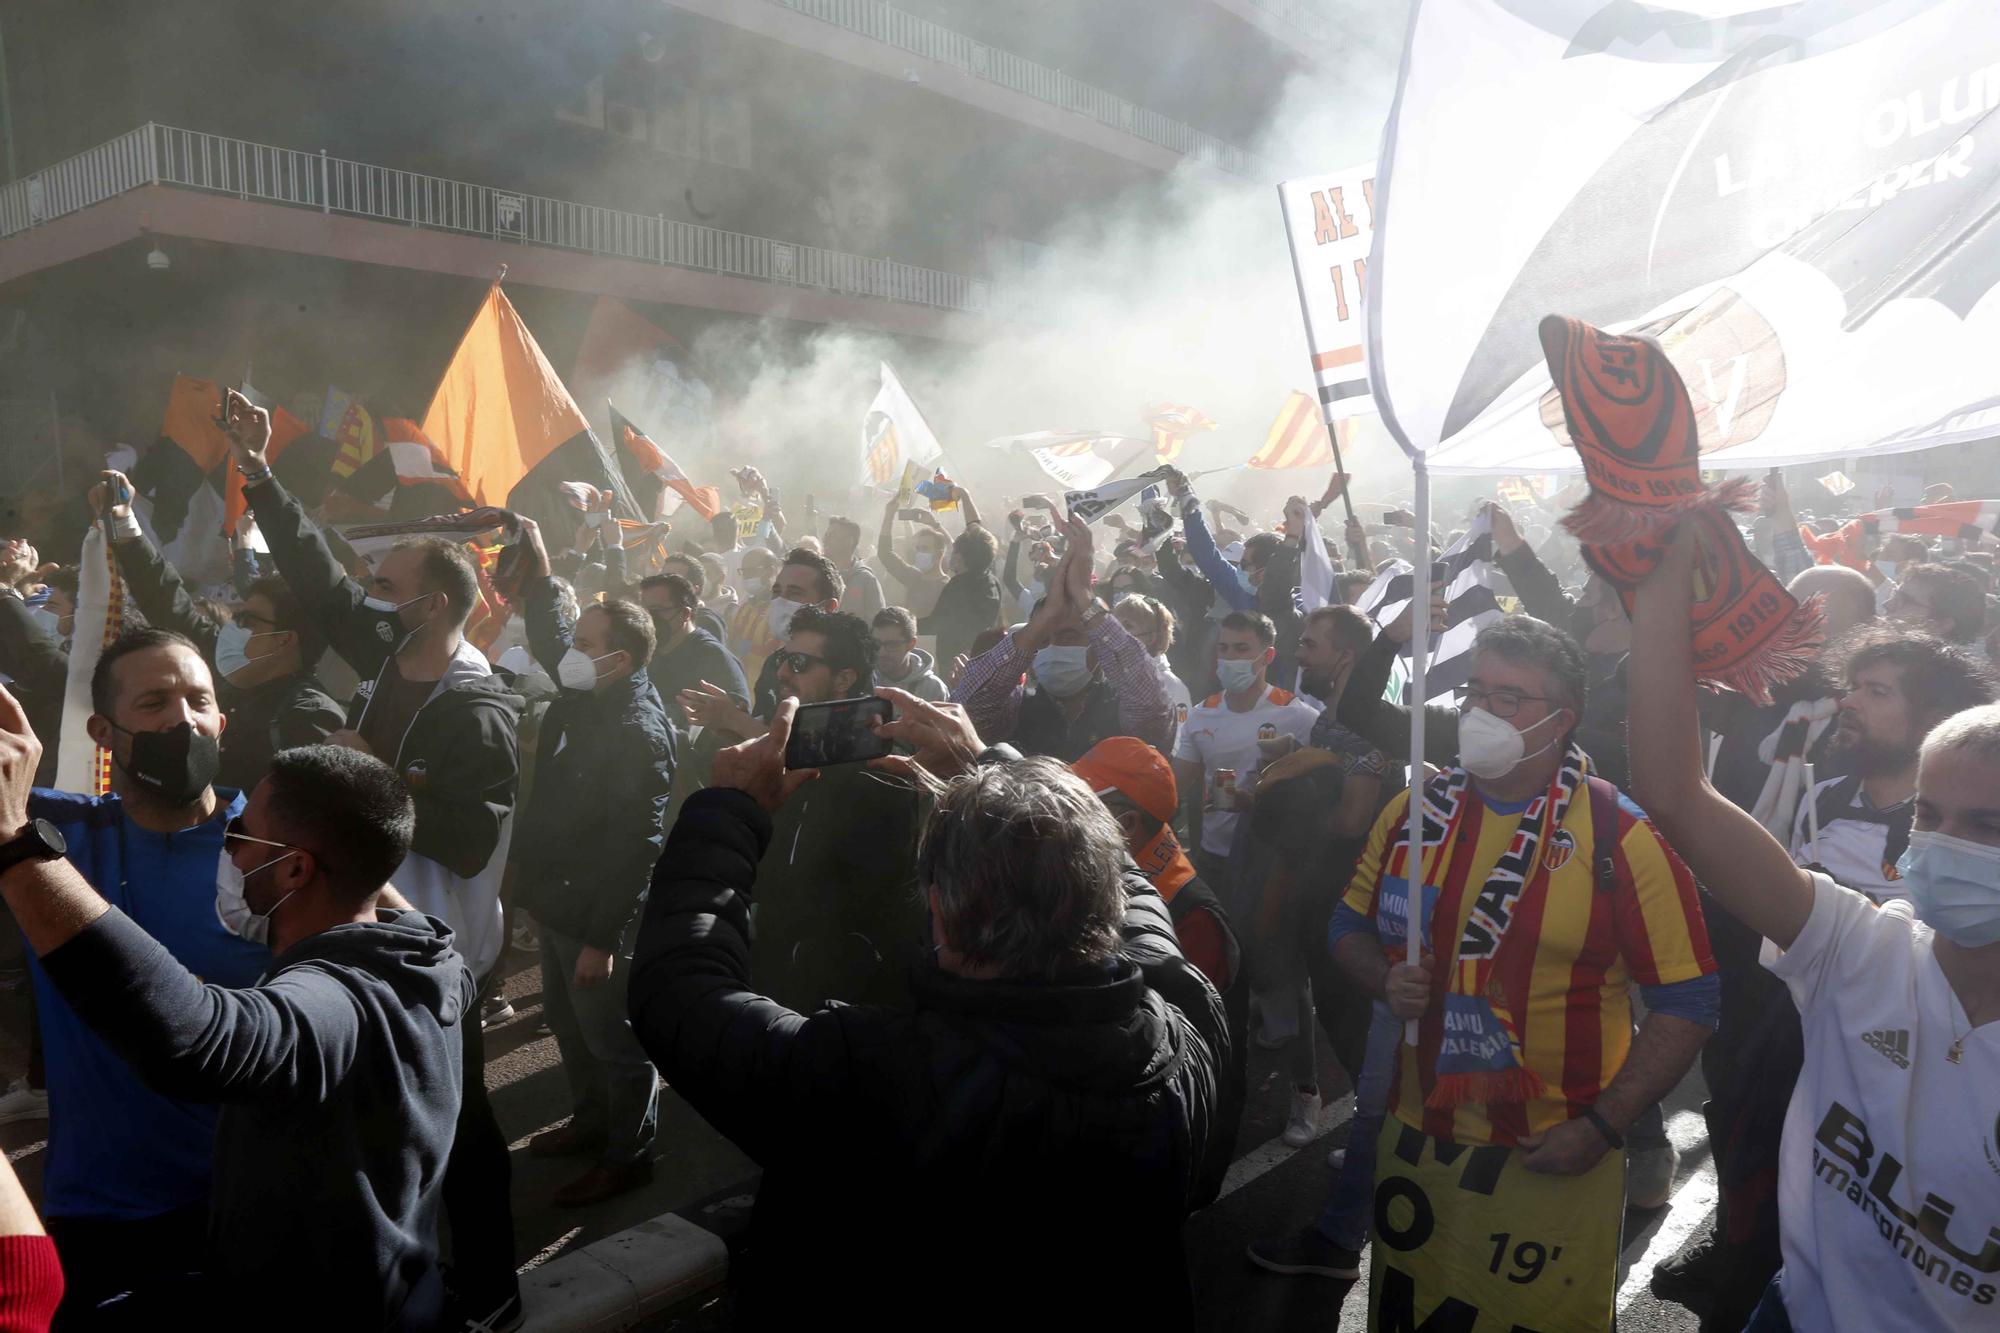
837,733
913,515
222,407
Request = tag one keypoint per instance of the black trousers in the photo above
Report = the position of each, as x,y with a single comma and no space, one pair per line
104,1258
478,1177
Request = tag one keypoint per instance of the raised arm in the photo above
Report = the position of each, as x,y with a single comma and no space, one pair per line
154,583
1740,864
1224,577
885,550
1382,724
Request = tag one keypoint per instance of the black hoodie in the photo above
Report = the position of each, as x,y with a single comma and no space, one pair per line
338,1075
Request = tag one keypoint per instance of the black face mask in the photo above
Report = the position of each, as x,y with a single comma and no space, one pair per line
175,765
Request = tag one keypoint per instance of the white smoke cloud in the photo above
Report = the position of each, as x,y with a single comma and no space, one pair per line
1181,292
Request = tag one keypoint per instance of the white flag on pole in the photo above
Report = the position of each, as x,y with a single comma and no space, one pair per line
1330,223
1798,200
894,431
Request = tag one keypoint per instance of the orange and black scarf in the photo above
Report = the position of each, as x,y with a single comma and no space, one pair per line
1630,418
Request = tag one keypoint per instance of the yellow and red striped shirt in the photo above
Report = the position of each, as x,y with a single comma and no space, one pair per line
1568,962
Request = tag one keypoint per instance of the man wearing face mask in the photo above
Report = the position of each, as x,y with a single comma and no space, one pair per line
125,1185
432,709
337,1070
1092,679
262,657
1889,1132
686,654
705,616
604,766
923,576
806,578
1546,896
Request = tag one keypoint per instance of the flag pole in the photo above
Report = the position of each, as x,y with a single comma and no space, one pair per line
1420,643
1346,494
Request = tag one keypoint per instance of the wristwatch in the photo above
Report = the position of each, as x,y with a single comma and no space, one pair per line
40,841
1603,1126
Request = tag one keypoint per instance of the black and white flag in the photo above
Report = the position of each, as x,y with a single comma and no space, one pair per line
1469,576
1093,504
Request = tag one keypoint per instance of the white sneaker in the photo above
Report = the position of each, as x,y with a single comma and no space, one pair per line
21,1102
1337,1159
1649,1176
1303,1127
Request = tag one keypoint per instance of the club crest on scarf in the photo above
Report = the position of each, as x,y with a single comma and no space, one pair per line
1479,1055
1631,420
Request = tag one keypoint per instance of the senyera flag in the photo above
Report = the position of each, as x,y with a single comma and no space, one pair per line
1297,437
502,422
1171,424
1330,224
645,464
1800,202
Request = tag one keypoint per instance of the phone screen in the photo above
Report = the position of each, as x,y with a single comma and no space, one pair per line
836,733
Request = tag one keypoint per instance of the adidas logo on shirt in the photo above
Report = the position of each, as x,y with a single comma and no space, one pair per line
1892,1042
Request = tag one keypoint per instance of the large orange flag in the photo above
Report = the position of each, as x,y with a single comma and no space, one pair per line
500,408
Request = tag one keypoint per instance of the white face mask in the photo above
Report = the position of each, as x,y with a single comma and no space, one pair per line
1954,885
578,670
1888,568
926,561
232,648
232,909
779,619
1490,747
1063,672
47,620
1236,674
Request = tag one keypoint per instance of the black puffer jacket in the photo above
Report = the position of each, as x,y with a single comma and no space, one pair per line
1024,1151
604,764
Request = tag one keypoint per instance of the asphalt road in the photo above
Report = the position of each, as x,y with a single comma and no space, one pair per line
1271,1189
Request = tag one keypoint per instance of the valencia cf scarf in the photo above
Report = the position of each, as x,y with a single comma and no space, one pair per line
1959,520
1630,417
1479,1058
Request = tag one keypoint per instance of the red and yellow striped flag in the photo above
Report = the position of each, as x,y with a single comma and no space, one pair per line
1297,438
1172,423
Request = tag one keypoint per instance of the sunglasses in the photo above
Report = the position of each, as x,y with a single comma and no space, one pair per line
799,663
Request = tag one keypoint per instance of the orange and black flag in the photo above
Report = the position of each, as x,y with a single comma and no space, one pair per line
192,450
1297,438
504,425
651,473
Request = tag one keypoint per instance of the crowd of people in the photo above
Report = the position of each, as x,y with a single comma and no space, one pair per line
985,1001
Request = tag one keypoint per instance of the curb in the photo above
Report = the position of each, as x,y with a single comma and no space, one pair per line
614,1283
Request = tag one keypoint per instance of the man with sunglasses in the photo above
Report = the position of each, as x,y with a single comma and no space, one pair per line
1546,896
337,1070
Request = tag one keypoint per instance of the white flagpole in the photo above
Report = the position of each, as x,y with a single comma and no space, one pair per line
1420,647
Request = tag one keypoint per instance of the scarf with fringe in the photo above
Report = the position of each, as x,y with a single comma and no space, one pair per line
1629,415
1479,1057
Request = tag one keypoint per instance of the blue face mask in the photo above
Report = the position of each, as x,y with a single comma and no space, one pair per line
1954,886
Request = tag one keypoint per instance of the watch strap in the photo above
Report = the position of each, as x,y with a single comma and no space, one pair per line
27,845
1611,1136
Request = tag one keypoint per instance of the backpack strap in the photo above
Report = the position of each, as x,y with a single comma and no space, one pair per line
1605,853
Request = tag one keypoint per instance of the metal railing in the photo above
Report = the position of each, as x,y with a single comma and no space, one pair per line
188,159
893,27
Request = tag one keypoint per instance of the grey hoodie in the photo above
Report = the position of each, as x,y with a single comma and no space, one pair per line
920,680
338,1075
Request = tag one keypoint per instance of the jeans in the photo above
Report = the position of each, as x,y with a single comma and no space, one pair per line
612,1085
1344,1220
1770,1316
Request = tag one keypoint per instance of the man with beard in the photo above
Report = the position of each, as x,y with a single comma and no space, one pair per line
1897,687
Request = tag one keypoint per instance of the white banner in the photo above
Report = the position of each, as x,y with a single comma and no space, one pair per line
1075,459
1330,225
894,431
1800,202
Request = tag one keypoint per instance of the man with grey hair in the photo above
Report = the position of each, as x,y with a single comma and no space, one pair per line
1886,1219
1545,898
1031,1135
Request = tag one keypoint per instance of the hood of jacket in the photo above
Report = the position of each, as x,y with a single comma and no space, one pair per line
1100,1031
921,668
409,951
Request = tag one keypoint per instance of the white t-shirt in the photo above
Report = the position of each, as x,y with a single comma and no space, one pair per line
1854,841
1889,1178
1217,736
1178,698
